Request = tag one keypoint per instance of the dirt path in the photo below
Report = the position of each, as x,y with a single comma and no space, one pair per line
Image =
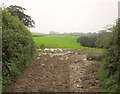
59,71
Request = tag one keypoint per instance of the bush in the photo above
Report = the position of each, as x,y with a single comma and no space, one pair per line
18,47
98,40
102,42
111,63
87,41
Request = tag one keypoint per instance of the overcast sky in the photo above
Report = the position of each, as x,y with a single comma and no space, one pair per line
69,15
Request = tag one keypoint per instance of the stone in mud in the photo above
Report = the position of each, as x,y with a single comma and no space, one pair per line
76,53
38,58
43,65
79,86
46,49
60,49
78,60
68,52
97,81
44,53
66,58
39,54
72,67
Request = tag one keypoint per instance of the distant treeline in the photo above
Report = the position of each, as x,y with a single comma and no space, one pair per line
73,33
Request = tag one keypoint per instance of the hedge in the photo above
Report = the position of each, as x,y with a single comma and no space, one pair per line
17,47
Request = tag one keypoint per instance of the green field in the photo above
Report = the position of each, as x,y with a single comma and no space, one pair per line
58,41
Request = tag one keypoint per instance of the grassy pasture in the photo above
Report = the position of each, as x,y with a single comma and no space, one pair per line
58,41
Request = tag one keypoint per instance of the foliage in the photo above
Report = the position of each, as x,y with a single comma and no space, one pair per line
19,12
110,68
94,39
87,41
17,47
102,41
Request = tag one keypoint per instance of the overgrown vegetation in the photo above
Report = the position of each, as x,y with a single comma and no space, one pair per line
17,47
102,41
110,68
87,41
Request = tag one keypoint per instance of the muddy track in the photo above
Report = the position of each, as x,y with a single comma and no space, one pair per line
59,71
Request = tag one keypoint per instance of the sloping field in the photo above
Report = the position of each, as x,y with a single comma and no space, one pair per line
58,41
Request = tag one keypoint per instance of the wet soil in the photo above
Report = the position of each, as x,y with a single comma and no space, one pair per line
59,70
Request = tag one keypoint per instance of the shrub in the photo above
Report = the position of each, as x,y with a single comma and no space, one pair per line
102,42
98,40
87,41
111,63
18,47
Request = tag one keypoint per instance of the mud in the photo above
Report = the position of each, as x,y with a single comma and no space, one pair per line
59,70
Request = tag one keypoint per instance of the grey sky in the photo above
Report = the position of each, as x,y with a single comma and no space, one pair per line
69,15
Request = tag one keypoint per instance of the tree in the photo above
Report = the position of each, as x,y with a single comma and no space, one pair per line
19,12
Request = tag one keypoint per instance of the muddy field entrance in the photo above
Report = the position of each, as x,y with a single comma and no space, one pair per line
59,70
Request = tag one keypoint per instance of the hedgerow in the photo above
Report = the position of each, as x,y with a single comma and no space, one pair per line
17,47
110,67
